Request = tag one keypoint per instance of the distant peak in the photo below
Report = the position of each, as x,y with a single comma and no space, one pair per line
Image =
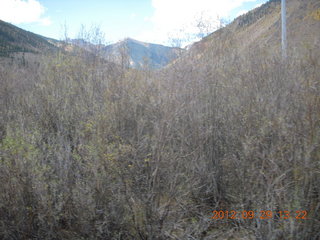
131,40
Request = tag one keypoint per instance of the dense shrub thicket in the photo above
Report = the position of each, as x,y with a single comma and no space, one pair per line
92,150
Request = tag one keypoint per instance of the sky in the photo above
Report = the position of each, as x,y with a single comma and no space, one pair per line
156,21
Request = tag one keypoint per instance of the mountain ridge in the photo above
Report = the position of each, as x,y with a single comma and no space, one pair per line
141,54
14,39
260,28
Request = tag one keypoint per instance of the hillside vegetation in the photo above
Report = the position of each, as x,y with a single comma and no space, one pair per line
94,150
13,40
140,54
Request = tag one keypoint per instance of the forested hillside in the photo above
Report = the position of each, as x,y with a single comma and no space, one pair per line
222,144
260,30
13,40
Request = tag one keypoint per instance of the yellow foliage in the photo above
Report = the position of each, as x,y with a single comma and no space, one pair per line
316,14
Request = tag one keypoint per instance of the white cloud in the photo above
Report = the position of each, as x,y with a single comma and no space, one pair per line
241,13
171,16
45,21
258,5
23,11
247,10
147,19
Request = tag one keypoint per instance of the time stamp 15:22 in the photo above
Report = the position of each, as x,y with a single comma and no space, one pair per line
219,215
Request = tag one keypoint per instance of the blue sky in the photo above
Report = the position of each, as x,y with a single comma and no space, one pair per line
145,20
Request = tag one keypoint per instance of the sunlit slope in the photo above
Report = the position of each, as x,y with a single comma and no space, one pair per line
261,29
140,54
14,39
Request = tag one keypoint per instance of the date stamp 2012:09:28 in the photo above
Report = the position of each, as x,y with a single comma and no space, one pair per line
263,214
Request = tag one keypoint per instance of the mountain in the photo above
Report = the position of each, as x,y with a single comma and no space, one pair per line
14,39
137,54
140,54
261,29
257,29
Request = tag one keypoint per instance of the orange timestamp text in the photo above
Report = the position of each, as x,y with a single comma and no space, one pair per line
264,214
